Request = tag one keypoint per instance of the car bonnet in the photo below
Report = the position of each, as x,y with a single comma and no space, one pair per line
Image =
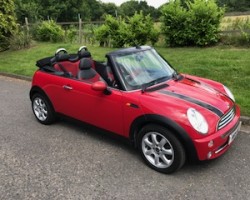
197,93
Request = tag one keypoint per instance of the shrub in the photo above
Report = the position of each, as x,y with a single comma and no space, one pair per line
49,31
102,35
71,34
206,17
135,30
195,23
88,33
176,25
120,37
154,36
8,25
20,40
141,29
112,32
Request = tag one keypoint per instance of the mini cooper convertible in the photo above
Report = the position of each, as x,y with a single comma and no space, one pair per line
135,93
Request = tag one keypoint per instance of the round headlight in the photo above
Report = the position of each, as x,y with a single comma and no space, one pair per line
197,121
229,93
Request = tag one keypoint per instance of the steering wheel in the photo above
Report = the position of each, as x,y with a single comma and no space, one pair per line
61,51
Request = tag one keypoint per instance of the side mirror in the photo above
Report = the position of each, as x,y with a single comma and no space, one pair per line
99,86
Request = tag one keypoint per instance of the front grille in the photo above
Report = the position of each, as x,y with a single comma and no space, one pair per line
226,119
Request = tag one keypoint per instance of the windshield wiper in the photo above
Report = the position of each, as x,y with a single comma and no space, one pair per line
176,76
154,82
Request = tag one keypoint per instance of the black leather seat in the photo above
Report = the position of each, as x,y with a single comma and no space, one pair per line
85,69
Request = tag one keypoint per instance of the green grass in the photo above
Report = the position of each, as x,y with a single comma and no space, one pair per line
229,66
23,61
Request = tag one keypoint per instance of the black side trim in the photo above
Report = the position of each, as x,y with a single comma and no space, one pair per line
195,101
176,129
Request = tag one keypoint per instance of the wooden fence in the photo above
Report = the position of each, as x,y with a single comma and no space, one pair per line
84,34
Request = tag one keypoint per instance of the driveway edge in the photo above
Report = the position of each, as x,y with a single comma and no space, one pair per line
21,77
245,120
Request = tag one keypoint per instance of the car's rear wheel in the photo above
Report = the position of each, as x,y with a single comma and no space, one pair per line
160,149
42,109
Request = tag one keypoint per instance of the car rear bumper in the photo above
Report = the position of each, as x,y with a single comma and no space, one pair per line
218,143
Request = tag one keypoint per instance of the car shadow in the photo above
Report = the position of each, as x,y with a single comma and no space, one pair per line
190,167
98,134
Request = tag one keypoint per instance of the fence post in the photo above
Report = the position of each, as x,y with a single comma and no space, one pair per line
27,25
80,29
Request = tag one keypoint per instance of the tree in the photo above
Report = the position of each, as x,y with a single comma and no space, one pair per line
39,9
8,24
129,8
72,9
26,8
68,10
235,5
61,11
109,9
53,9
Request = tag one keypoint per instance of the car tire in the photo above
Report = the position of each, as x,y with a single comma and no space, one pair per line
161,149
42,109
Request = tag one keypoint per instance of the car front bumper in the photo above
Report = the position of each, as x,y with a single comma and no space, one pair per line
218,143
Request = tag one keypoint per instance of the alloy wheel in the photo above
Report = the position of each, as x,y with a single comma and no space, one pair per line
40,109
157,150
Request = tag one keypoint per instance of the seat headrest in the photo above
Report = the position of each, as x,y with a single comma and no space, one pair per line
84,54
85,63
62,57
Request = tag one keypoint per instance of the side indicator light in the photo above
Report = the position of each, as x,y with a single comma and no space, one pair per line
132,105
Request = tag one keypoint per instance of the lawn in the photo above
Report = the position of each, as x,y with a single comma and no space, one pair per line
227,65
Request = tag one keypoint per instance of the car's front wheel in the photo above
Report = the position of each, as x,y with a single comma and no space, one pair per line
42,109
161,149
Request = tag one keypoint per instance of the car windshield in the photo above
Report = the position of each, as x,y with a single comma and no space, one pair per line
142,68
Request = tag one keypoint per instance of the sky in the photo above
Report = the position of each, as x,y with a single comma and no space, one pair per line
155,3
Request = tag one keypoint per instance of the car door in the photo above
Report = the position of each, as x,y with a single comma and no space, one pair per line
76,98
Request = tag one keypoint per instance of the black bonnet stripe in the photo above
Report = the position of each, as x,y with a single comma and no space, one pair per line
200,103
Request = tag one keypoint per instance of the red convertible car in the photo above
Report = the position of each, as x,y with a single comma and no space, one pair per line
169,117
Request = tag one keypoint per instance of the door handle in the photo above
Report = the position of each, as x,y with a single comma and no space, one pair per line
67,87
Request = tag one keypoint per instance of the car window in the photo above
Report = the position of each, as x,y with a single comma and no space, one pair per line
138,68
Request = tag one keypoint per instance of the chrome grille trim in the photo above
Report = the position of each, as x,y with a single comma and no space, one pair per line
226,119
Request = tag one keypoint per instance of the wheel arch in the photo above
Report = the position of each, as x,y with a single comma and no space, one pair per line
178,131
35,89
